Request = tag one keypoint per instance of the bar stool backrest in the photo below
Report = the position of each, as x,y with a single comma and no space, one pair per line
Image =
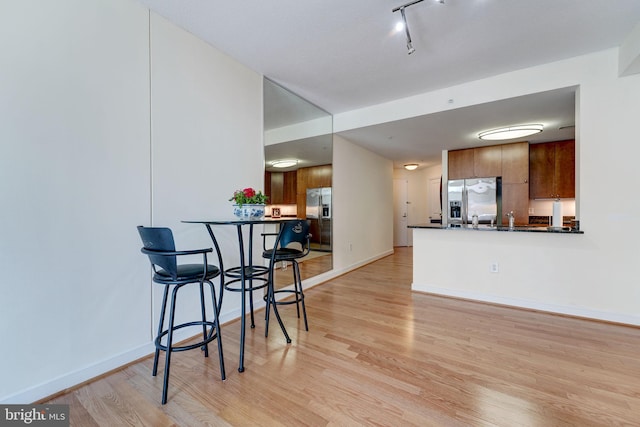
295,231
160,239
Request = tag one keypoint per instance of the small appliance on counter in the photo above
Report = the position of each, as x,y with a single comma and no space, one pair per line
479,197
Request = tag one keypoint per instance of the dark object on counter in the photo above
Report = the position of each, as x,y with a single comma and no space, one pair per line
160,247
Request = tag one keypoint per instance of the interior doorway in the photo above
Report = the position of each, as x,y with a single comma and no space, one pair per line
400,215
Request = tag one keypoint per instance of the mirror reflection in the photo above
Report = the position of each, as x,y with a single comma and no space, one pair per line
298,172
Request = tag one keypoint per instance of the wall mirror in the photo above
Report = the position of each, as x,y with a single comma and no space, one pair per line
298,152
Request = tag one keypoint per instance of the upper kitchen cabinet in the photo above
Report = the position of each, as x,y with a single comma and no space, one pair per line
281,187
475,162
460,164
315,177
487,161
552,172
515,163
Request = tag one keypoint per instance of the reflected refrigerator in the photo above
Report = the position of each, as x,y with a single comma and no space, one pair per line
475,196
318,212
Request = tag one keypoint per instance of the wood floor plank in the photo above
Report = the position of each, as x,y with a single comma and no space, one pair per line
378,354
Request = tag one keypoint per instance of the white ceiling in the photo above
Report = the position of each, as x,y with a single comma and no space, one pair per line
343,55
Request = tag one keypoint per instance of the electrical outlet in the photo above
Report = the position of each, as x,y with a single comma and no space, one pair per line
494,267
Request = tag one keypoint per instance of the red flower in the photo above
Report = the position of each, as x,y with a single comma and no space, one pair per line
249,192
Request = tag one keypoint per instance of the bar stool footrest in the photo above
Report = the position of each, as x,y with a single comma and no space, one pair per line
250,272
298,297
249,286
211,336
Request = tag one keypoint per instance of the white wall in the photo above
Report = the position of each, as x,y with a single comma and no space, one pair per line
93,144
74,182
362,206
207,143
594,274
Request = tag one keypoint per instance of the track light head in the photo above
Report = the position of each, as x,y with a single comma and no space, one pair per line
404,24
410,47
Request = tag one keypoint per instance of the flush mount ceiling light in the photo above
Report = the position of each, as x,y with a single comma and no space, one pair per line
411,166
403,25
510,132
284,163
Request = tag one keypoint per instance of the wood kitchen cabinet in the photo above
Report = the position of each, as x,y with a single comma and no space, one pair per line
289,187
280,187
487,161
510,161
478,162
515,163
552,170
515,182
515,197
461,164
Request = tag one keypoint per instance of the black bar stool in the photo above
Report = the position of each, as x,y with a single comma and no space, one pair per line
160,247
292,243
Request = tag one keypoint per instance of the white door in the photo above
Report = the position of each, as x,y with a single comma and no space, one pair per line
400,230
433,199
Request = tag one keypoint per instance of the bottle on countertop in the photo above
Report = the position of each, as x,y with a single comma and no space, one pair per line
474,220
512,220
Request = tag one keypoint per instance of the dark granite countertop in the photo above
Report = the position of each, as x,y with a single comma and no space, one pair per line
483,227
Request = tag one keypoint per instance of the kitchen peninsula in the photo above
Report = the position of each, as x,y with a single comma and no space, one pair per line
499,266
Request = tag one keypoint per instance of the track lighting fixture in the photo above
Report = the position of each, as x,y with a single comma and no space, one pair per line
406,29
404,25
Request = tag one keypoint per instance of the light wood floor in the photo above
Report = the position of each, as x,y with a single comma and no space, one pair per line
378,354
309,267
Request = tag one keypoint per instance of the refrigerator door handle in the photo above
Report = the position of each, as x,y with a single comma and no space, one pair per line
465,205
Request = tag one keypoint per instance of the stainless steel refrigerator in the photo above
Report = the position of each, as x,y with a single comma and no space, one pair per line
475,196
319,214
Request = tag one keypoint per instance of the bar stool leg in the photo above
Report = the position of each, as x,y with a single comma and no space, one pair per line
300,297
154,372
205,347
271,299
167,363
296,281
217,330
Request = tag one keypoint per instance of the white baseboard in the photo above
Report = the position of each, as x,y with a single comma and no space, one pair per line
48,388
532,305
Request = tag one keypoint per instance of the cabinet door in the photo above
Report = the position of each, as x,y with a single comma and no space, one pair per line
267,185
290,187
319,176
460,164
515,197
487,161
277,188
565,169
541,170
515,163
